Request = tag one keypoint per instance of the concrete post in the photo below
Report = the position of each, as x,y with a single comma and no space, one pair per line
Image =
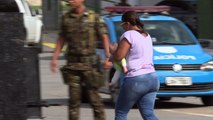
13,97
51,10
205,19
93,4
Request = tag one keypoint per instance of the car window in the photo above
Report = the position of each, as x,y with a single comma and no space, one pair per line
163,32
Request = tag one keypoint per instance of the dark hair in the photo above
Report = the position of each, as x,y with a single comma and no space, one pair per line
133,19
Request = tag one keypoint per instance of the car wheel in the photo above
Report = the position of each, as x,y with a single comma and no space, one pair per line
207,100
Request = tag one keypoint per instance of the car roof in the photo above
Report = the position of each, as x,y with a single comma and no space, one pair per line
143,17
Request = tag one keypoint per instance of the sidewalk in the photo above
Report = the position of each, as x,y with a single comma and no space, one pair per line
48,39
54,92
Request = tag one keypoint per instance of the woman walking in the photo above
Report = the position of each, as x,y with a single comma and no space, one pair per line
141,83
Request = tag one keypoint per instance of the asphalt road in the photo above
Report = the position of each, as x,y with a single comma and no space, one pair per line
54,92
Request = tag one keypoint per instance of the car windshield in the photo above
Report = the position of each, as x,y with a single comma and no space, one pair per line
163,32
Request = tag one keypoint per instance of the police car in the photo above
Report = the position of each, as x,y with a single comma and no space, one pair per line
183,67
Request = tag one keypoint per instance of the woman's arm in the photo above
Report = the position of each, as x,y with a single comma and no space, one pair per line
122,50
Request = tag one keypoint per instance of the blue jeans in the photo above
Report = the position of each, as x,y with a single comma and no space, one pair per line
140,90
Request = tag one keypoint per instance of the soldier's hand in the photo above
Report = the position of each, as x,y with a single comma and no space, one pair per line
53,66
107,64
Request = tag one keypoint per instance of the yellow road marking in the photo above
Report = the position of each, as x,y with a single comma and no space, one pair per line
52,45
48,44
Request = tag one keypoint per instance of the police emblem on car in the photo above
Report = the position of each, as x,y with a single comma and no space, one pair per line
177,67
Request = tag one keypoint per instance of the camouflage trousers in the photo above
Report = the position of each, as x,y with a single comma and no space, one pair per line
75,81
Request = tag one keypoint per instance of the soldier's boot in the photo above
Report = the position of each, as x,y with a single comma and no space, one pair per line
95,101
99,113
73,113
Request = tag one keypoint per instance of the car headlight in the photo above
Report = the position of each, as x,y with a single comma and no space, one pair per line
207,66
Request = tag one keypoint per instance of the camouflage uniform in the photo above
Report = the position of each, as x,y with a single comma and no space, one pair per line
82,62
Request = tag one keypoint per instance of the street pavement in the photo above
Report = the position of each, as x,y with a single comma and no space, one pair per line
55,94
48,40
53,91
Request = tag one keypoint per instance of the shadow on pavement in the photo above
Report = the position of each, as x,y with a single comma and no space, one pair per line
55,102
170,104
109,105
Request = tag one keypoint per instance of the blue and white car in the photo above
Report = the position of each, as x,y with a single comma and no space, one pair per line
183,67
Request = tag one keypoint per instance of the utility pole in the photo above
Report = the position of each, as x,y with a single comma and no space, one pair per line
205,19
94,4
51,9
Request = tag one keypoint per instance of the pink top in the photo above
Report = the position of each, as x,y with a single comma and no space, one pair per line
140,56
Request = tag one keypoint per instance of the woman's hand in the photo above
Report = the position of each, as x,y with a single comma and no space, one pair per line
113,47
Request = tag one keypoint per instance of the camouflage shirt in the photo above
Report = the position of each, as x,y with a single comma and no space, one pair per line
78,31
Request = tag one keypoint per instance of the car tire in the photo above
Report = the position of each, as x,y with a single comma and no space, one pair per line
207,100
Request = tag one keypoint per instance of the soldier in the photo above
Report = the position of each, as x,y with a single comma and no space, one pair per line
79,29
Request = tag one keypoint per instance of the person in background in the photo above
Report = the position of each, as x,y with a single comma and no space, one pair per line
140,84
79,30
122,3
